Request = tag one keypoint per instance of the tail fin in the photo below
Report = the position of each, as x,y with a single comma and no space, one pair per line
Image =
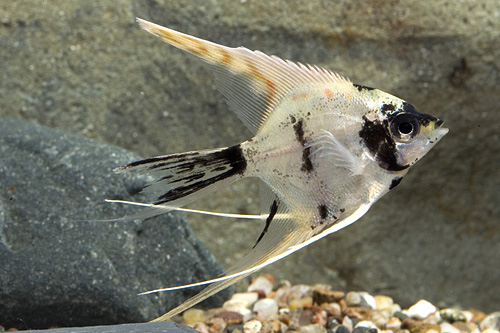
180,179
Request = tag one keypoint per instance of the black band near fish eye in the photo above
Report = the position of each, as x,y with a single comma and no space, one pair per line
404,127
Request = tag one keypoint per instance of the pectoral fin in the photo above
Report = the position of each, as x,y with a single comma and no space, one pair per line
330,149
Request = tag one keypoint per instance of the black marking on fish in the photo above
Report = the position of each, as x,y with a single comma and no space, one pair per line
323,211
388,108
307,165
342,210
380,143
299,131
219,168
166,161
231,158
395,182
292,119
272,213
423,118
298,128
361,87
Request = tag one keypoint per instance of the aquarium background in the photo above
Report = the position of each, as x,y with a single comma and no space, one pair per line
85,67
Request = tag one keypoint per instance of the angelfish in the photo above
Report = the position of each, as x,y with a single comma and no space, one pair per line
325,148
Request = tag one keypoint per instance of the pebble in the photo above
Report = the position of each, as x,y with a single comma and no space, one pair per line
393,323
299,291
266,308
347,322
448,328
362,329
366,323
332,309
192,316
246,298
252,326
234,329
281,296
492,321
321,295
274,326
320,317
240,303
360,298
383,302
230,317
315,328
422,309
341,329
433,318
261,284
300,303
452,315
239,307
216,325
380,318
201,327
425,328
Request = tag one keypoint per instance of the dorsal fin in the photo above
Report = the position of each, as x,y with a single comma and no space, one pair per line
252,81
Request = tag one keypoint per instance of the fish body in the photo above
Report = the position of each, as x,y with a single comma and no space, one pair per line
325,148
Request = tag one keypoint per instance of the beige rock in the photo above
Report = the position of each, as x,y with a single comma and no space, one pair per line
192,316
300,303
252,326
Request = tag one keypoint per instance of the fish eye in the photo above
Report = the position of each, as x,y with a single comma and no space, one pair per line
404,127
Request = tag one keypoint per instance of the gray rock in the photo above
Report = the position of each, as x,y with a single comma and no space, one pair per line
87,68
160,327
59,270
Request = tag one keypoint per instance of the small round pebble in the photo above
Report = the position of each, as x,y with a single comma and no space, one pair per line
192,316
246,298
300,303
448,328
321,295
347,322
360,298
261,284
492,321
230,317
366,323
216,324
362,329
383,302
315,328
452,315
341,329
422,309
201,327
265,308
393,323
252,326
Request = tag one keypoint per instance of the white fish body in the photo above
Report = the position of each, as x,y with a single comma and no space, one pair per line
327,149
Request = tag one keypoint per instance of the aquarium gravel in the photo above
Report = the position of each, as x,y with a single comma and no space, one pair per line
270,306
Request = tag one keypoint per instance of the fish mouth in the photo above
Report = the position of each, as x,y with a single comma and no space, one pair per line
439,131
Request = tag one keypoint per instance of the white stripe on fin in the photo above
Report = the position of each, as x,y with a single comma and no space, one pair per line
188,210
